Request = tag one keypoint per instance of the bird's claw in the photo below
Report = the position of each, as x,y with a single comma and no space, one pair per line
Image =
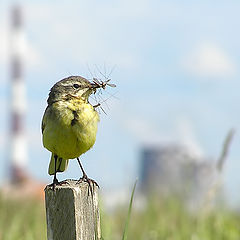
91,183
54,184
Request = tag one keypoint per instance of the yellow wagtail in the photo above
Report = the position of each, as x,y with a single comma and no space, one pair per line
69,124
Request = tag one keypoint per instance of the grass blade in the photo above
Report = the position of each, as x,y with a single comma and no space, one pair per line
125,231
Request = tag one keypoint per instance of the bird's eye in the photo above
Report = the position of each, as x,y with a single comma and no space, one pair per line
76,85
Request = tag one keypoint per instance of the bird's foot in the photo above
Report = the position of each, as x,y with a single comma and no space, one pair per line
64,182
91,183
54,184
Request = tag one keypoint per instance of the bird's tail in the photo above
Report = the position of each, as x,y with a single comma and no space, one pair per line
61,165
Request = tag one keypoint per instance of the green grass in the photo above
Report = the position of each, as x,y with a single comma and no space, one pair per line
164,220
125,231
168,219
22,220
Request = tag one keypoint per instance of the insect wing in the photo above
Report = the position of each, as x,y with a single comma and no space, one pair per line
111,85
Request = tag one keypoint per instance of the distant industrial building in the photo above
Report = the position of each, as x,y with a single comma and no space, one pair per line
175,170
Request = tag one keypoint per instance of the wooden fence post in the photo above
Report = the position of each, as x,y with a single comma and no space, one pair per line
72,212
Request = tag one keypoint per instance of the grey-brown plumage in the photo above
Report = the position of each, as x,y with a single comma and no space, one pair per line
68,87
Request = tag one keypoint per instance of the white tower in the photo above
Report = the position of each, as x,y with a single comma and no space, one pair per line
18,151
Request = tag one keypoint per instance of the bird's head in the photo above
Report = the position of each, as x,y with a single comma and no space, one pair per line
71,87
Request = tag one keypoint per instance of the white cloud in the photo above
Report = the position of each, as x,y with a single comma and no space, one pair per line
187,136
143,130
180,131
209,60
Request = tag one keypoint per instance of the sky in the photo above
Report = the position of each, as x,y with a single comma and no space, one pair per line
175,64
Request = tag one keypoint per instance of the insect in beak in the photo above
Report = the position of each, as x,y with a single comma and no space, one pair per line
101,84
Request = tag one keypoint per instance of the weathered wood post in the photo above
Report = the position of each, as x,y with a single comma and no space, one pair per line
72,212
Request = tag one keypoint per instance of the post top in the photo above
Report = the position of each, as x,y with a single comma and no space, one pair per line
68,183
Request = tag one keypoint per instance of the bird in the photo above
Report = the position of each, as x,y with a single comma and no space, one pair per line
70,123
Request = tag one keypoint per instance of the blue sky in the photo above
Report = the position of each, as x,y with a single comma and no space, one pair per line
177,76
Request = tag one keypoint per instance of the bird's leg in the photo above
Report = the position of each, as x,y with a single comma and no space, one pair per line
84,174
86,179
55,181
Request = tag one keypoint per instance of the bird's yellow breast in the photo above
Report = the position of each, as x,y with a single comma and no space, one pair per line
69,128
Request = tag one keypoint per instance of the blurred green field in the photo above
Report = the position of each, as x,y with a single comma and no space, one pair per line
158,220
22,220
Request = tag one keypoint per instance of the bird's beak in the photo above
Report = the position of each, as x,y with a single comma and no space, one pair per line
95,85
